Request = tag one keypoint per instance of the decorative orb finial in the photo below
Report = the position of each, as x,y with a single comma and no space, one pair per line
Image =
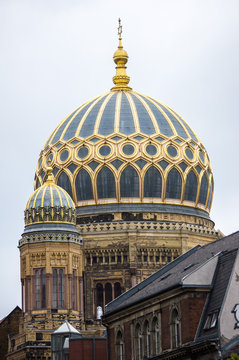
49,169
120,57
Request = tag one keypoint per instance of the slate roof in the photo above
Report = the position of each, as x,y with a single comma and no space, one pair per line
171,275
215,300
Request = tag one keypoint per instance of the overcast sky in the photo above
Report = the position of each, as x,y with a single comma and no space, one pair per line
54,55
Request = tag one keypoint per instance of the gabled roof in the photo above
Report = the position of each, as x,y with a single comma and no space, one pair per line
172,274
216,297
66,328
17,308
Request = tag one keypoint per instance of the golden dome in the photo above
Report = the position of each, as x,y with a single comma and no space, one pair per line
124,151
49,204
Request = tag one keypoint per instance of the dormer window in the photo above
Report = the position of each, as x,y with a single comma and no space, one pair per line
211,321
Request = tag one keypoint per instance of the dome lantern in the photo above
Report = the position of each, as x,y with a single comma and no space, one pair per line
120,57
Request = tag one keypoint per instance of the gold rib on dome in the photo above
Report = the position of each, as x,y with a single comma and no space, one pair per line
120,57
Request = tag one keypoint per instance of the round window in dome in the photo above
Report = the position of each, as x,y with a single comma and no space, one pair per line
172,151
189,153
128,149
64,155
151,150
202,158
82,152
105,150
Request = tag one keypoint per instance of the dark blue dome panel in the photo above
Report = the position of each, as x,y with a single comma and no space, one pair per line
145,122
107,121
71,130
126,125
122,112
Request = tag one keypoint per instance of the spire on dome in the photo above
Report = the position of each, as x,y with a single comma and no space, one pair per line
120,57
50,177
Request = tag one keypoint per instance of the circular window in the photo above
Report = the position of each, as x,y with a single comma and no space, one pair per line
128,149
64,155
83,152
151,150
172,151
189,153
201,156
105,150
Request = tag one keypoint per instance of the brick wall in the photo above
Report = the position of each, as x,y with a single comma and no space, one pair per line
191,311
85,349
165,330
127,341
9,325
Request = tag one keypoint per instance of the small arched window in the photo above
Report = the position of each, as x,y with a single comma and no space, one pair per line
139,343
64,182
117,289
108,293
156,340
191,186
129,183
83,186
40,288
99,295
106,184
174,185
175,331
147,338
152,183
58,288
119,346
203,190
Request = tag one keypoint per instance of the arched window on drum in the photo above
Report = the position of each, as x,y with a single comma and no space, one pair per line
64,182
83,186
191,186
174,184
117,289
129,183
106,184
152,183
203,190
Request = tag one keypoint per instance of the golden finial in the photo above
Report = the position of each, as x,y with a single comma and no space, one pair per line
49,169
120,30
120,57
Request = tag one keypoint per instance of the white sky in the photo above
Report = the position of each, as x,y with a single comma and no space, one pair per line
54,55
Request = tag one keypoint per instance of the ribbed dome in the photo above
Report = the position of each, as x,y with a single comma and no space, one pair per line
122,112
49,204
126,152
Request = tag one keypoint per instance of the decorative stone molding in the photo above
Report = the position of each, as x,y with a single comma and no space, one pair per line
45,237
146,226
49,214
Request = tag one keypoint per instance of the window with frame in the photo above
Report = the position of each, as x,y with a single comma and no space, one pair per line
148,340
40,288
175,329
119,346
74,290
156,339
211,321
58,288
139,342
